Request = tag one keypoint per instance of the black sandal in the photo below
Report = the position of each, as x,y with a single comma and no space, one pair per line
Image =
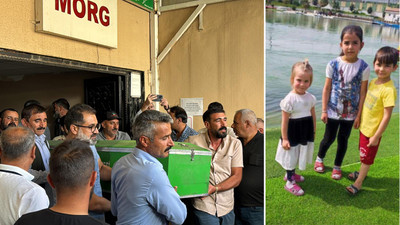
352,189
353,175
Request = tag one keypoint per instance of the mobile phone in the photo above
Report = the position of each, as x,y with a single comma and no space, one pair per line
158,99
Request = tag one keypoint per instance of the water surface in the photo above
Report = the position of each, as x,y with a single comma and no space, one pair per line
293,37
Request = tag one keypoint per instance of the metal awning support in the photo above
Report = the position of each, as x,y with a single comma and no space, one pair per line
181,31
158,8
189,4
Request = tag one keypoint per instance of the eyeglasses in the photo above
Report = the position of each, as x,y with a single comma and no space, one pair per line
91,127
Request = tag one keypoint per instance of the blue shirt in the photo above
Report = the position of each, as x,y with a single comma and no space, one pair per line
97,187
141,192
40,142
188,131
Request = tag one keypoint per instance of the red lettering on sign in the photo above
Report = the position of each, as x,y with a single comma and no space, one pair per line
91,10
83,8
64,4
105,20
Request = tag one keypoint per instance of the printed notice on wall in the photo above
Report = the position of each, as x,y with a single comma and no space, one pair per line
192,106
136,89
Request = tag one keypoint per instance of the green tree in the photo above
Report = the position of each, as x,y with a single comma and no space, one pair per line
305,4
315,2
323,3
369,10
336,5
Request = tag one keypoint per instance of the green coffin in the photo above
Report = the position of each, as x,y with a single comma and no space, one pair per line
187,166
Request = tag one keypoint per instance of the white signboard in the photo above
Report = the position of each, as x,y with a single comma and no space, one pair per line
136,88
192,106
93,21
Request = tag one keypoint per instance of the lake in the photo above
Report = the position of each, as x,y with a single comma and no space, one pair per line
291,38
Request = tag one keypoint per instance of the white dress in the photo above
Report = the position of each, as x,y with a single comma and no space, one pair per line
300,132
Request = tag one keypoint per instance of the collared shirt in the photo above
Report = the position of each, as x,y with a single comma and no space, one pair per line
97,187
19,195
227,156
142,193
41,143
188,131
120,136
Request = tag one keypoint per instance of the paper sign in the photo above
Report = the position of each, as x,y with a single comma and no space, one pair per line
136,87
192,106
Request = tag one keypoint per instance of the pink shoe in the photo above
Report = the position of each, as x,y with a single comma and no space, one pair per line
319,167
336,174
296,190
297,178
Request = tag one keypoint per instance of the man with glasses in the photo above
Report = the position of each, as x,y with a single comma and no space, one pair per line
81,123
35,118
8,118
226,170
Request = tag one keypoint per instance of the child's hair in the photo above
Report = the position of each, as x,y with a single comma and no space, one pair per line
305,66
357,30
387,55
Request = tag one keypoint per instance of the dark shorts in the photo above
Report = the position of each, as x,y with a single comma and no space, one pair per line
367,154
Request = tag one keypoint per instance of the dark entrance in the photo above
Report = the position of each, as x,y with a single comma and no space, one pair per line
112,94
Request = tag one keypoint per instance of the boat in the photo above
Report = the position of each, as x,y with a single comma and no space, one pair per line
381,23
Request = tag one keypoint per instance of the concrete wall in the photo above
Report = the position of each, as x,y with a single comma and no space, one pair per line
18,33
224,62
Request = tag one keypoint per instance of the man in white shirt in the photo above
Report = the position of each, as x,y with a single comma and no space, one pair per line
18,195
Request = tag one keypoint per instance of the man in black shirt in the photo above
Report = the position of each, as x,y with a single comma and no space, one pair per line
249,195
72,175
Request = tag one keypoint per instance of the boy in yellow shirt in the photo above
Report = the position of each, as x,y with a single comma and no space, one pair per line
376,113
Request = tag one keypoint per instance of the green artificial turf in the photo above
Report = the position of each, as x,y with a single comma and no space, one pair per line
326,201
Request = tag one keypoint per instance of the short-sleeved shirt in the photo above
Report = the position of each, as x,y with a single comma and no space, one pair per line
228,155
250,192
298,106
19,195
378,97
346,87
120,136
187,132
142,193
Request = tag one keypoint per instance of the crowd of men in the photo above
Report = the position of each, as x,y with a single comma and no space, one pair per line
62,186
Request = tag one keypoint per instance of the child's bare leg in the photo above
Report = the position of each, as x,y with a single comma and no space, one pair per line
361,176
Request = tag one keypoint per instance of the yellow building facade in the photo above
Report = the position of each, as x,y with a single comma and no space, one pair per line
223,61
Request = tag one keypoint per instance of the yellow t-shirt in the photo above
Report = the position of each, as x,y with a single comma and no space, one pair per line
378,97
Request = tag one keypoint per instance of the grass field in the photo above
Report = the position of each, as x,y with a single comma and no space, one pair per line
326,200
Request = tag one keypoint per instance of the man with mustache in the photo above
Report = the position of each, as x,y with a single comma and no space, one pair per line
81,123
141,191
8,118
110,126
35,118
225,173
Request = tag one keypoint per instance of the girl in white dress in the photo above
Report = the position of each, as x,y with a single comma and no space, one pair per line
296,145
